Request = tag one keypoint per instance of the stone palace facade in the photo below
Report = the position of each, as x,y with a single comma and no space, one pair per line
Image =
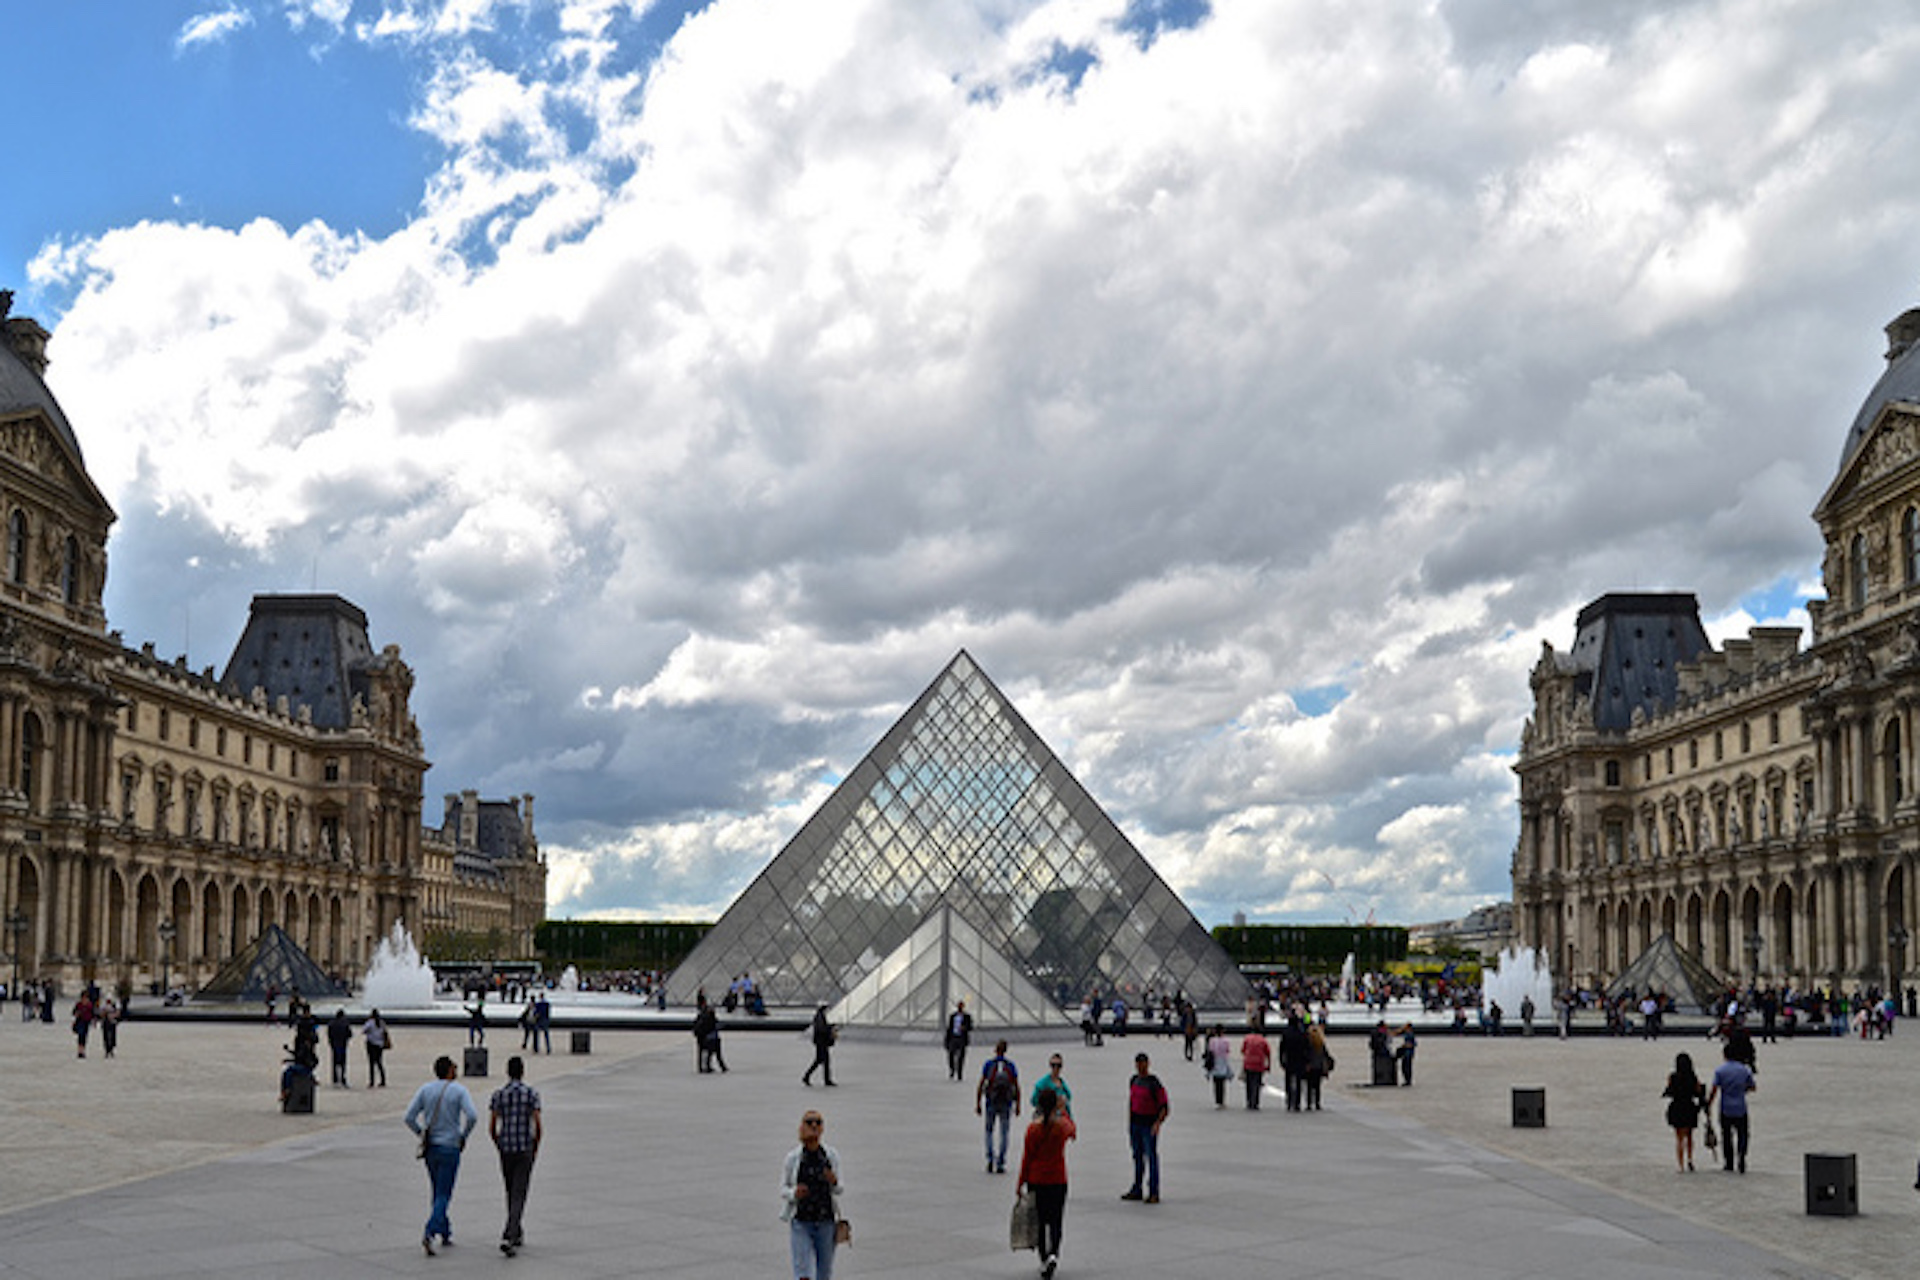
1760,802
155,819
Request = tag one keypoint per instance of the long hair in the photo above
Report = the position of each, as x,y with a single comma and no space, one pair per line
1683,1075
1045,1105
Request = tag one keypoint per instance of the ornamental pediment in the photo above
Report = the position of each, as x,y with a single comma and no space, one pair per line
1890,446
33,445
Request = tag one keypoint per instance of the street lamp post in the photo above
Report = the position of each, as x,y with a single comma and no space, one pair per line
16,925
1754,943
167,930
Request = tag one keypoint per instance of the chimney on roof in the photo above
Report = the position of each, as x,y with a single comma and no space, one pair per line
23,335
1902,332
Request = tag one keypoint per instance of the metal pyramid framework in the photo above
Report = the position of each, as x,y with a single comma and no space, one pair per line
1664,968
943,962
274,961
961,805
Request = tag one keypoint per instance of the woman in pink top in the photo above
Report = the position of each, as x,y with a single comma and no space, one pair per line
1256,1055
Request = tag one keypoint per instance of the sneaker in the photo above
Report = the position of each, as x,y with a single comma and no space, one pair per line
426,1242
989,1164
1130,1195
1000,1167
507,1247
1046,1268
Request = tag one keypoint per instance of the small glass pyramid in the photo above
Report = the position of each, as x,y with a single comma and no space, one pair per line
1665,969
943,962
962,806
274,961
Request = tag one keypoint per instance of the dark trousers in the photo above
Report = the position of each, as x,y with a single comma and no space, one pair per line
1254,1080
1313,1091
1219,1091
957,1059
376,1066
822,1062
1050,1203
1733,1129
1146,1152
516,1170
109,1037
340,1066
1292,1086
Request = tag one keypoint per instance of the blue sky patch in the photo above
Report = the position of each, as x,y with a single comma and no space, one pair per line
1148,20
1319,699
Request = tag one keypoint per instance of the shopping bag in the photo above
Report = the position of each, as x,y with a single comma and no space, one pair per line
1023,1230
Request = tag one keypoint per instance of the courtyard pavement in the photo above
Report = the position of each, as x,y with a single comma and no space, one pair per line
173,1160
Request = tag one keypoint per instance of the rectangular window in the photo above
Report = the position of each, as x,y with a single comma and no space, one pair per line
1693,753
246,748
133,716
1773,728
330,771
1646,767
1669,762
165,723
1613,773
193,735
1719,746
220,742
1746,737
273,750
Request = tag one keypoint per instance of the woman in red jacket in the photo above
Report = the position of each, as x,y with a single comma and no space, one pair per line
1043,1167
1256,1055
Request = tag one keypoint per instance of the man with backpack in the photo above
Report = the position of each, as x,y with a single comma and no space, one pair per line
997,1097
1146,1112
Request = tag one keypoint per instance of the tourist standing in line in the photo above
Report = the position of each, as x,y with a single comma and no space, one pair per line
1732,1082
1147,1110
1687,1095
959,1035
442,1114
810,1190
378,1040
513,1122
339,1035
1053,1082
1256,1055
1043,1170
823,1038
997,1097
1218,1060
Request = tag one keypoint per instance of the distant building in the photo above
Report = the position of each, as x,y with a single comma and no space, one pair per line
484,875
1759,802
155,818
1486,930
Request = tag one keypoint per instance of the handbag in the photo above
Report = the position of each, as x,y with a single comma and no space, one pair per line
1712,1139
1023,1229
842,1231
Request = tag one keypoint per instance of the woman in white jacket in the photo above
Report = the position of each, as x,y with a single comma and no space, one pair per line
810,1192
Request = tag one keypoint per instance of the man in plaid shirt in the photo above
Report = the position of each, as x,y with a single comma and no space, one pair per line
514,1127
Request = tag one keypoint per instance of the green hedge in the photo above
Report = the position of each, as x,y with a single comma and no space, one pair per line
618,944
1313,948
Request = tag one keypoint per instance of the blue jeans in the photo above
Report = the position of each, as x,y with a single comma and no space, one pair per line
1000,1113
1146,1152
812,1249
443,1166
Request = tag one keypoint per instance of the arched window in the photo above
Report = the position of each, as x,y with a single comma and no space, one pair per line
17,548
1857,570
70,572
1910,543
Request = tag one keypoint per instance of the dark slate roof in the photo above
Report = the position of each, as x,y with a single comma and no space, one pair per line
502,834
311,649
1628,649
1901,381
22,390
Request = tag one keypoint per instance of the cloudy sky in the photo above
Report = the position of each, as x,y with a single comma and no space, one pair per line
1249,386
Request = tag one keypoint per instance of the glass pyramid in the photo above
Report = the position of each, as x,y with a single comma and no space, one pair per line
943,962
274,961
961,805
1664,968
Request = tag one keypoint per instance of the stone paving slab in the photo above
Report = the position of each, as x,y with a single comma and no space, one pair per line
173,1160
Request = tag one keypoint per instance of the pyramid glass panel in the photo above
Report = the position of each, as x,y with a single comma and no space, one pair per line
960,808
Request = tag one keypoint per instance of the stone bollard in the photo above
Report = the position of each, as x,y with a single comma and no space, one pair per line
299,1095
1529,1106
583,1042
475,1063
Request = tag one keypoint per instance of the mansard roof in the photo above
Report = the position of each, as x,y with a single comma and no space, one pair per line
22,389
1900,382
312,650
1628,648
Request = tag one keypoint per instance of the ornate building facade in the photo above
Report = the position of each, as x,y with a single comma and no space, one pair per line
154,820
1759,802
